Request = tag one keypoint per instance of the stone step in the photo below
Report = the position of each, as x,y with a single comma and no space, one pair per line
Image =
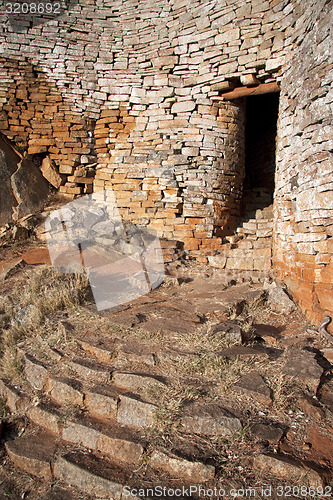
248,263
65,390
112,441
90,474
33,453
101,402
247,256
117,352
114,403
137,382
89,370
102,349
209,420
136,353
51,433
197,472
136,413
287,468
82,391
16,400
37,371
106,480
120,444
244,351
107,402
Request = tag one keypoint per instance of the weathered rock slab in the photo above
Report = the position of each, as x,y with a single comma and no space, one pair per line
283,468
269,433
254,385
210,421
85,475
36,373
119,450
33,454
101,405
29,187
303,367
136,413
51,173
9,160
65,391
193,471
77,433
136,382
279,300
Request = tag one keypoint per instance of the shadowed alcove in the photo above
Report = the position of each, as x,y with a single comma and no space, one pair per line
260,146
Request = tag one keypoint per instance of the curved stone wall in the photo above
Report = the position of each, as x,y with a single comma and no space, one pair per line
121,94
303,195
128,85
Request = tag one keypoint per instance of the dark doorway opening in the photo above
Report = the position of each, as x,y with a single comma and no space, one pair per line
260,141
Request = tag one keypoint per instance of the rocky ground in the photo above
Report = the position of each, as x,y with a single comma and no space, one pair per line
200,382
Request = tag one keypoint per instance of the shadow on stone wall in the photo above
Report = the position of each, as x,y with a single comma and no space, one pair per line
23,189
39,120
25,14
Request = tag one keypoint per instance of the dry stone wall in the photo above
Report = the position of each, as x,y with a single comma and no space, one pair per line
128,85
304,188
120,93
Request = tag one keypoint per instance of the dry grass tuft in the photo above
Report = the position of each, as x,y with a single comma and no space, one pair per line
171,401
11,364
49,290
282,387
4,410
43,292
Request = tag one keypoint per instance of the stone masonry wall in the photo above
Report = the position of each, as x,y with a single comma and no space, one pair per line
41,121
128,85
120,93
304,185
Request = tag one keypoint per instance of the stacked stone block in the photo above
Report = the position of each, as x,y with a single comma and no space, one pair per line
248,253
40,122
146,103
303,230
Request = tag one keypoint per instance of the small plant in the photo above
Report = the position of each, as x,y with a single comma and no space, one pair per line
19,144
145,459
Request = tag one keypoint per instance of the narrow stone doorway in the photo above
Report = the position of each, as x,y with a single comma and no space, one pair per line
260,146
247,253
